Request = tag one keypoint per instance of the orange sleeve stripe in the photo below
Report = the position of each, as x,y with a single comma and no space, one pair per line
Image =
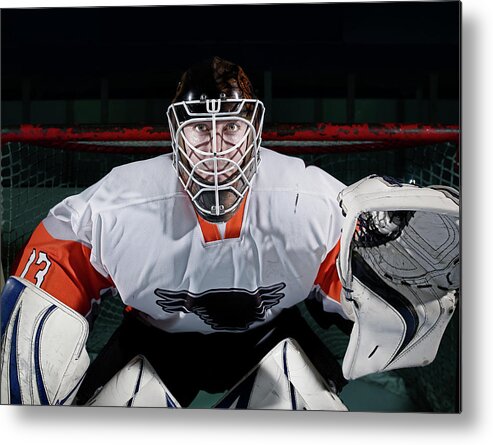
327,277
70,278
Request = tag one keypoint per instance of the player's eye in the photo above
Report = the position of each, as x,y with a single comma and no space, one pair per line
232,127
201,128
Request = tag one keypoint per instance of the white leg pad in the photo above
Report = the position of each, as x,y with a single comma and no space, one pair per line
136,384
284,379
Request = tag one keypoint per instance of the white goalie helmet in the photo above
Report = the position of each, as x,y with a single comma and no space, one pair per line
215,122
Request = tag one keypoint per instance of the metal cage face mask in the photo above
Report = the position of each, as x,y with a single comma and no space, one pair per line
216,151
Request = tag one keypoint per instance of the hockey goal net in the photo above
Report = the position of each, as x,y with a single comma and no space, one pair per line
42,165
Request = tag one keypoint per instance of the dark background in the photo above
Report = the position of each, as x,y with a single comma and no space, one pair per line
377,62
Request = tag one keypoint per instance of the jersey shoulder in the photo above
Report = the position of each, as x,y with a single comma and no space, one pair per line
136,182
283,172
130,184
150,176
300,200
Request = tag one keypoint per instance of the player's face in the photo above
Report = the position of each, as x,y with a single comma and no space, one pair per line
216,148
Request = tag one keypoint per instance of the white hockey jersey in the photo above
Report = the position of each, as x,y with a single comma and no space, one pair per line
136,231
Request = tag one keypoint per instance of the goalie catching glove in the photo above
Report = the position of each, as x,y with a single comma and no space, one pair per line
399,268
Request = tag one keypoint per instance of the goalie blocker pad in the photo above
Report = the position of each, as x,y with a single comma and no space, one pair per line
284,379
400,275
43,356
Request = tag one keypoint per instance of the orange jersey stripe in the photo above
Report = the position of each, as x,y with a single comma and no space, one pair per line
62,268
209,230
233,226
328,278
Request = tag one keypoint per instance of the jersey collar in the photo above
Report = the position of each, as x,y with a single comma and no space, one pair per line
211,232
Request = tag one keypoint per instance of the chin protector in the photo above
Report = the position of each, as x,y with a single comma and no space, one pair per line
399,268
284,379
136,384
43,356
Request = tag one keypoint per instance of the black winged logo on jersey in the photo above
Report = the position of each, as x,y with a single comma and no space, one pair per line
231,309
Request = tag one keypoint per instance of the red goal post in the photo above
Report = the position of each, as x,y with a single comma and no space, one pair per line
285,138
